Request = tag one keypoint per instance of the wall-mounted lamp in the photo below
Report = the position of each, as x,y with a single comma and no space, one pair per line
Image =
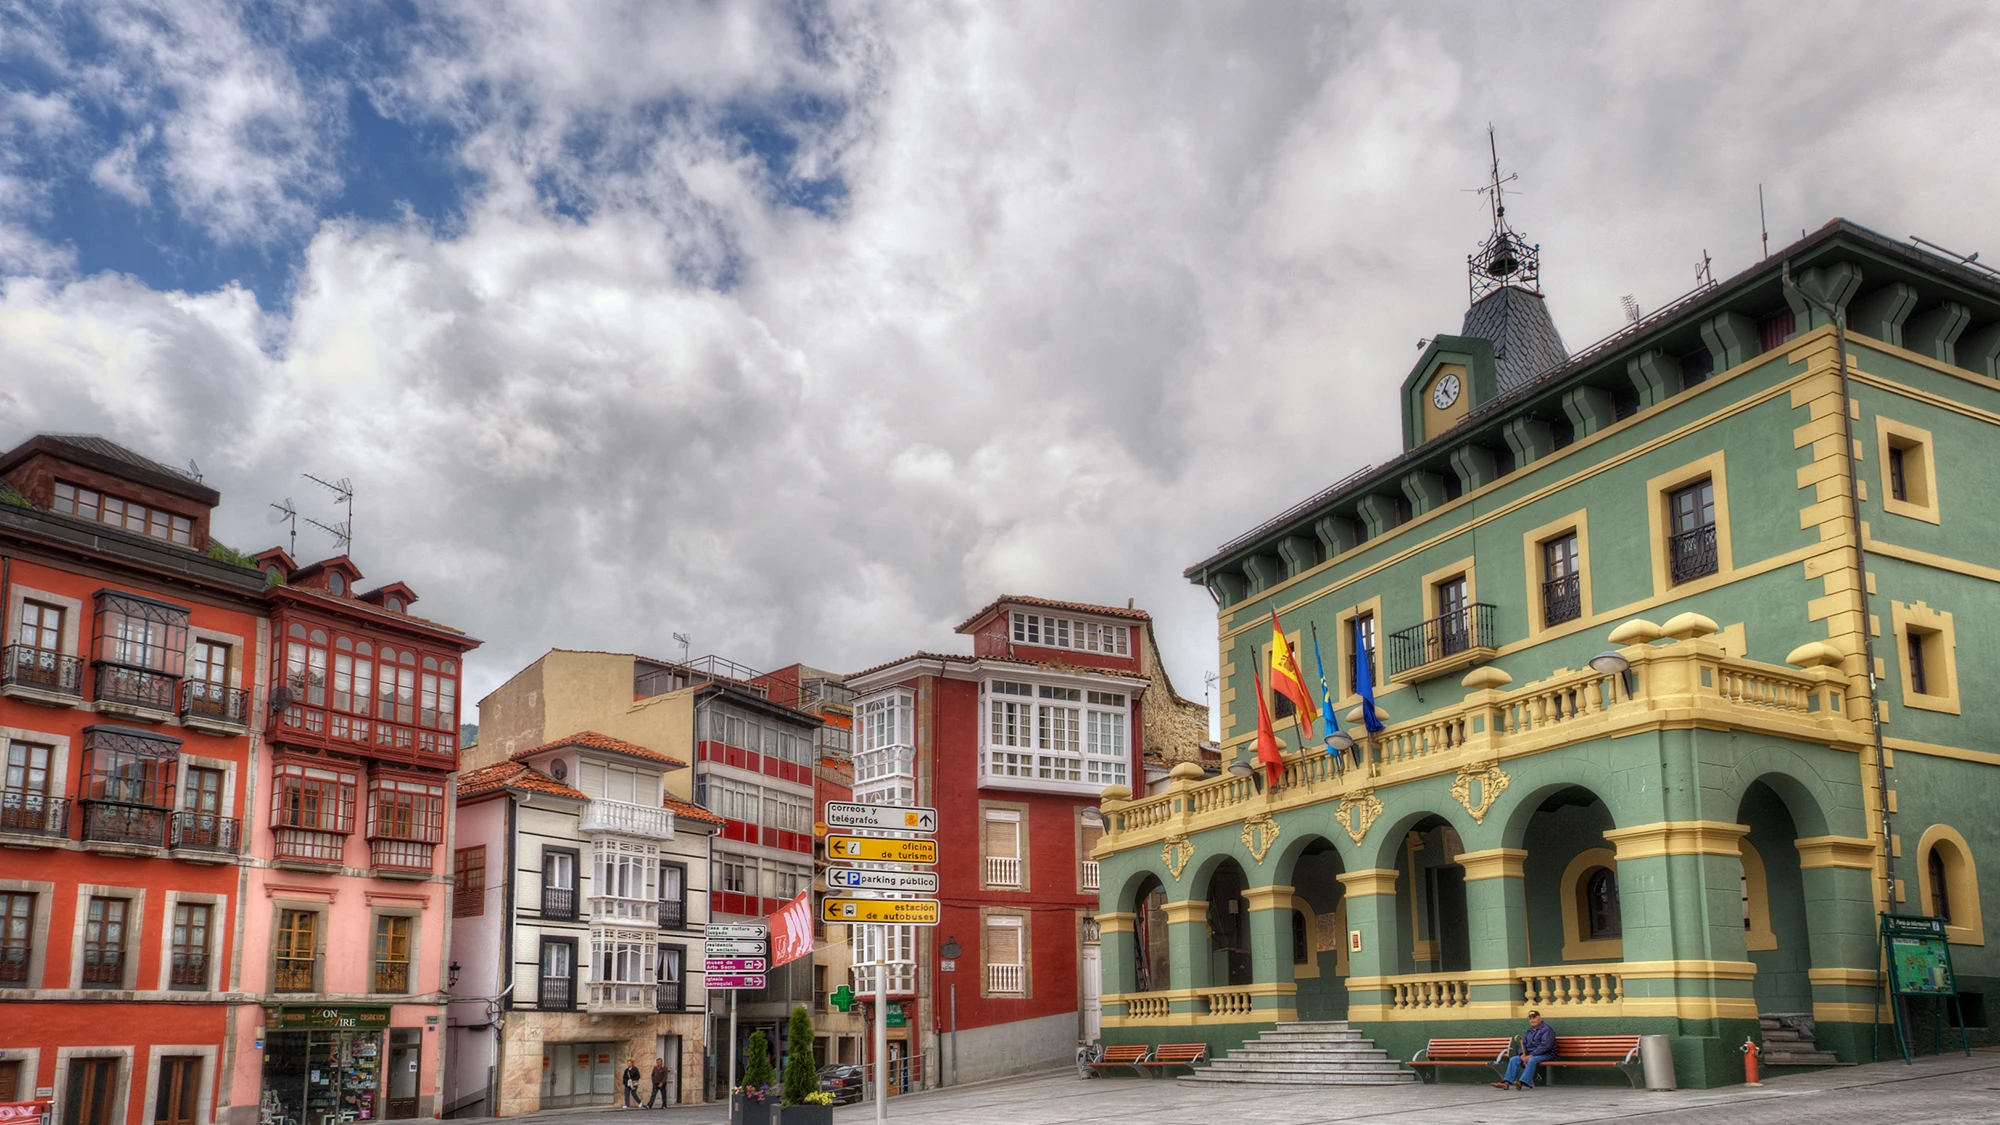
451,976
1340,745
1615,662
1241,768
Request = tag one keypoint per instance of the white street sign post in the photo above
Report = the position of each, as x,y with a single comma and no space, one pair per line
883,818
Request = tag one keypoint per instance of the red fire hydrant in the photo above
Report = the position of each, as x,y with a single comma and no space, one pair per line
1750,1052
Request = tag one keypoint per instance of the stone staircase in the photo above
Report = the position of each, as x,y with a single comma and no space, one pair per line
1788,1041
1324,1053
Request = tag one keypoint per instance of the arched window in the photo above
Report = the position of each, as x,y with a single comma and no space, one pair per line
1940,886
1948,884
1301,949
336,583
1600,900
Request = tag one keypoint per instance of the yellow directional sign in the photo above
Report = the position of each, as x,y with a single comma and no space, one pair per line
896,911
870,849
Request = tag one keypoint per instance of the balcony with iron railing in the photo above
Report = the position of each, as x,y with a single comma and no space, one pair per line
1006,980
558,904
40,675
558,994
14,966
205,832
1443,644
213,707
189,972
104,968
391,976
1003,871
106,822
1692,554
140,693
673,913
31,814
627,819
294,974
672,996
1562,600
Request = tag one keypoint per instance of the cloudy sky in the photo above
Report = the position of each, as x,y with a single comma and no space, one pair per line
810,328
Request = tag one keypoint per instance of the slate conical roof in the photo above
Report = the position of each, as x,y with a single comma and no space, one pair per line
1525,341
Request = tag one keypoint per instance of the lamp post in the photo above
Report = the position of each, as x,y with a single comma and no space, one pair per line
1615,662
1241,768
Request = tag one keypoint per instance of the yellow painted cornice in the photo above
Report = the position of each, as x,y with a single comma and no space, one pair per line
1838,851
1369,881
1852,978
1269,898
1493,863
1117,923
1187,910
1677,837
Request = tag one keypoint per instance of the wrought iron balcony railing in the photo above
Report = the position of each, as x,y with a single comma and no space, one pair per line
558,994
14,965
1691,554
213,703
42,670
135,687
1443,636
295,974
392,976
206,832
673,913
559,904
1562,600
190,971
672,997
31,814
104,966
108,823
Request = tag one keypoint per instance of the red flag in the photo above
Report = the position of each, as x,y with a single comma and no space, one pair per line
1267,739
792,930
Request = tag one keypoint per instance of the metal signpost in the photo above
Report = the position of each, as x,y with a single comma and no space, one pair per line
878,888
734,956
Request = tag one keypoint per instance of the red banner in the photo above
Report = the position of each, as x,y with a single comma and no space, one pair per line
792,930
22,1113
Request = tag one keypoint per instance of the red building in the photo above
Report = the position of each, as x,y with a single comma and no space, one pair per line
131,657
1012,745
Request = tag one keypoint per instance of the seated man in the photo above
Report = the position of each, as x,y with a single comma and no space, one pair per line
1538,1045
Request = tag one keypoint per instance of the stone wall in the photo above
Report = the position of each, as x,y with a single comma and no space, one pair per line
525,1033
1175,727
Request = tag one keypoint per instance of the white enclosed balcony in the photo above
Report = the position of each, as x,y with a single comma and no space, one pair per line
627,819
615,997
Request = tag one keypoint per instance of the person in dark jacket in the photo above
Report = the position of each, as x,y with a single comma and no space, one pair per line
631,1083
1538,1045
659,1083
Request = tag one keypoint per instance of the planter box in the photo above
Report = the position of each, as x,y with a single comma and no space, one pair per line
806,1115
749,1111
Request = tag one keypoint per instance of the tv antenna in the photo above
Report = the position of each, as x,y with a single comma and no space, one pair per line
343,493
685,641
1705,274
285,513
194,470
1763,227
1631,306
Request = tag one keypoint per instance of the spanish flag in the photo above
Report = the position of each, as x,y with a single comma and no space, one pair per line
1287,681
1267,739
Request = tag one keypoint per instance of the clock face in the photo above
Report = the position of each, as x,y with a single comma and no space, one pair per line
1445,392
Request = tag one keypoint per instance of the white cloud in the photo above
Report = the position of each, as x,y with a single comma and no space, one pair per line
117,171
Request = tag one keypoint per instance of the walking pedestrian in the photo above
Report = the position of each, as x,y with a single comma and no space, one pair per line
659,1083
631,1083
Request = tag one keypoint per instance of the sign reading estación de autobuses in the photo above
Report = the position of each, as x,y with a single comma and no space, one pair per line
364,1019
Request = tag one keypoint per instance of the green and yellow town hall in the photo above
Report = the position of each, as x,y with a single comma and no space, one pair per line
1619,607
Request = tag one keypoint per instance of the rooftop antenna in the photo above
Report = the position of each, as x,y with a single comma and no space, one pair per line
1631,306
285,513
343,493
1763,227
685,642
194,470
1505,258
1705,275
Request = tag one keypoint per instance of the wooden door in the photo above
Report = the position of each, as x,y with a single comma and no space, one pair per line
92,1085
10,1082
405,1045
179,1090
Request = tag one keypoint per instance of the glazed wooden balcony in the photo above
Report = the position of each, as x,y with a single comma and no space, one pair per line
1674,684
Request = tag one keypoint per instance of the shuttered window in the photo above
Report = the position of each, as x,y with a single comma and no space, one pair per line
1003,835
1003,941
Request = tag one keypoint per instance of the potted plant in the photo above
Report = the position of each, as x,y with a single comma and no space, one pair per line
803,1103
755,1101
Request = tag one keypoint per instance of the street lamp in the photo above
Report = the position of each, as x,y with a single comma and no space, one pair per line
1615,662
1241,768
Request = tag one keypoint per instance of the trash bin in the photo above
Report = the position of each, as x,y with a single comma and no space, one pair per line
1656,1059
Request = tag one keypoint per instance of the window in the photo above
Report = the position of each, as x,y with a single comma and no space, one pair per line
405,821
189,969
1908,468
673,965
900,951
625,967
17,927
738,876
1919,681
438,707
24,790
1775,329
1455,631
1071,633
75,500
305,665
673,896
41,626
1003,848
558,885
336,583
1005,971
1927,642
626,886
129,768
1301,950
1940,886
392,953
1696,367
558,975
104,942
1600,897
1039,732
1691,548
1363,625
1899,484
1948,885
177,1100
298,933
468,882
1562,594
310,797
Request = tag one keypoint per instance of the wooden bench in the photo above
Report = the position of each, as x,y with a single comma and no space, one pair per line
1177,1054
1132,1055
1462,1052
1621,1051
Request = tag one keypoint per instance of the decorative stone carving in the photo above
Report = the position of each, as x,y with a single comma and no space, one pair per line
1175,853
1492,782
1357,812
1259,833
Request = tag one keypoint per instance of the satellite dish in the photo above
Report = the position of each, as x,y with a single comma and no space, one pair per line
281,699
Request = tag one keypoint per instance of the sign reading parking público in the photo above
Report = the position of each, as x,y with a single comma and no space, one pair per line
890,911
885,818
869,849
877,879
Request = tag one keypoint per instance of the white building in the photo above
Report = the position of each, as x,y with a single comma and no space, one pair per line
576,936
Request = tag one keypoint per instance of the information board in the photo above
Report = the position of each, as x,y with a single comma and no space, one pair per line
1919,957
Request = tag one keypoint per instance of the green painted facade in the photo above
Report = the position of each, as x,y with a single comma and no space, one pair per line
1738,384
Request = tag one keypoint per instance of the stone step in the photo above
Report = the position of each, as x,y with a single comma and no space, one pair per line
1302,1078
1798,1058
1286,1062
1343,1047
1267,1052
1334,1025
1323,1037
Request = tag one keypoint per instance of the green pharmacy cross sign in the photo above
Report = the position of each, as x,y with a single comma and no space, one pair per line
1919,961
843,998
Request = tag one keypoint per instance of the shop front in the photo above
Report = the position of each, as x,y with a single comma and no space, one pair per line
330,1065
576,1074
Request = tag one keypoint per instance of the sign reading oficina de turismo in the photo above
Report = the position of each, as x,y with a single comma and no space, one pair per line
873,849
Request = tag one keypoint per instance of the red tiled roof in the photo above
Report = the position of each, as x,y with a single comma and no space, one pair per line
683,810
512,775
604,742
961,658
1045,603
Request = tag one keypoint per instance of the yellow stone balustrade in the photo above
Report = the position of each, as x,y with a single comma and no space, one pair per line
1555,991
1677,684
1213,1004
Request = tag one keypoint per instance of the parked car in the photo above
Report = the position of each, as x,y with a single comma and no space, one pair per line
843,1082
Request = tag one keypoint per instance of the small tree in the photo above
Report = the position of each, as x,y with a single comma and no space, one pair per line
758,1075
800,1076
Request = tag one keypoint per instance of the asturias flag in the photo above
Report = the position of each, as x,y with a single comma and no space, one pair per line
1287,681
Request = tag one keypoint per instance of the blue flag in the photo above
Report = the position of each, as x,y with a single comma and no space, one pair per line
1326,705
1364,676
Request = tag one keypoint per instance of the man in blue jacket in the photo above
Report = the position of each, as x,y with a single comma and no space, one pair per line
1538,1045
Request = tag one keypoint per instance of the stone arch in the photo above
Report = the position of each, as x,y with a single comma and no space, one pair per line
1315,941
1148,966
1560,825
1383,844
1819,805
1519,806
1777,808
